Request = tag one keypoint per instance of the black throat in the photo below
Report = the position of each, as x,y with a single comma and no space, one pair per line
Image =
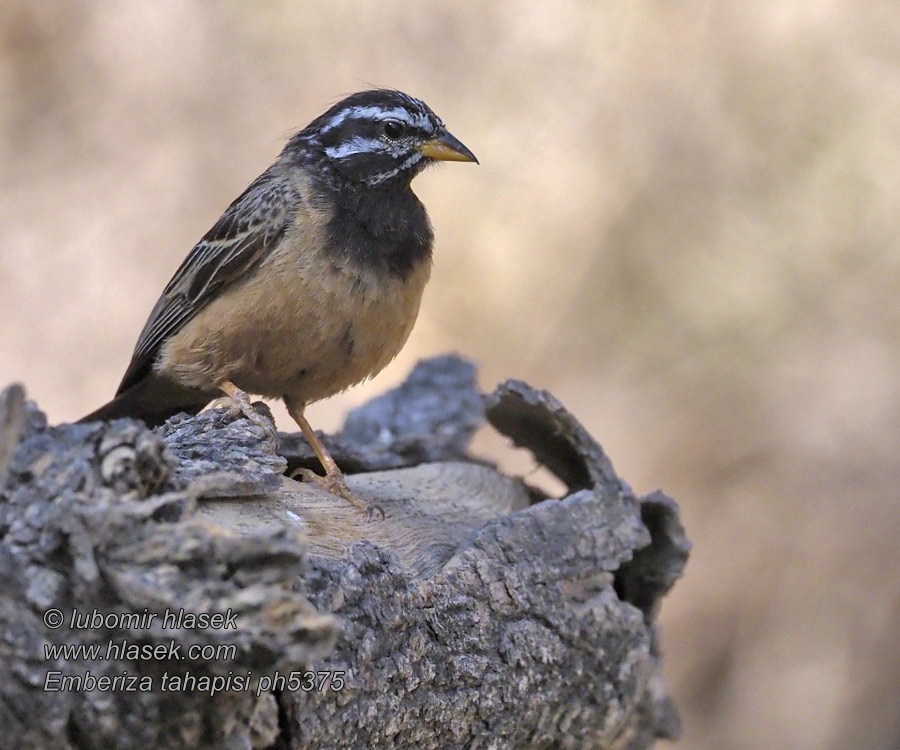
383,228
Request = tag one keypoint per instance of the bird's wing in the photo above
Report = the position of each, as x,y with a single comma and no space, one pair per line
250,227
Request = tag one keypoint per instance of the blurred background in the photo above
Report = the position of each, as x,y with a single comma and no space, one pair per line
685,224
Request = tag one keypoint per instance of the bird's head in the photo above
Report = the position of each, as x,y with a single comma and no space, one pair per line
379,137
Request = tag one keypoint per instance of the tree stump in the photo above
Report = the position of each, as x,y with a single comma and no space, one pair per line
175,589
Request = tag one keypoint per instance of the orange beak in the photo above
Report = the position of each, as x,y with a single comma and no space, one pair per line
446,147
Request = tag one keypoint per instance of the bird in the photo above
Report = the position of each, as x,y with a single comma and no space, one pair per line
309,283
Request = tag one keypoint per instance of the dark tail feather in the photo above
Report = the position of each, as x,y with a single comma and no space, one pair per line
152,400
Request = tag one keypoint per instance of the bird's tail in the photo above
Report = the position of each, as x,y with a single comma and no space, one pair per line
152,399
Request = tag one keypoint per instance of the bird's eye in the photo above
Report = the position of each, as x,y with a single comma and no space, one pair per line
393,129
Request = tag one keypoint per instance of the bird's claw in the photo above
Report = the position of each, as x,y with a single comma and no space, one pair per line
336,484
239,405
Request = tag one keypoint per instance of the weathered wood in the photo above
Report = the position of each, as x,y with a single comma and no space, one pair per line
474,614
12,405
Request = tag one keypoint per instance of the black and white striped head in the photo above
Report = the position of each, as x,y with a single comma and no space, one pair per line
380,137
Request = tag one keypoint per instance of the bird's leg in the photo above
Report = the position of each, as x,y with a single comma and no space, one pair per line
334,480
240,404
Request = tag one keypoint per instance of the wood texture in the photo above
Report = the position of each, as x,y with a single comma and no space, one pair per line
475,615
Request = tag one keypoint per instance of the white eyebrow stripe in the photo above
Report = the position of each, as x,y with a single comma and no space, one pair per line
356,145
377,113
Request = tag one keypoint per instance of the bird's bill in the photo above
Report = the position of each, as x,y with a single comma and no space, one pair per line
446,147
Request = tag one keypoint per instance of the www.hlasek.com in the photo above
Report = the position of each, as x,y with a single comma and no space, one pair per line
123,649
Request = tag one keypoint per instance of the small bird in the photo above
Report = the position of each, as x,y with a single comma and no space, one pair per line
309,283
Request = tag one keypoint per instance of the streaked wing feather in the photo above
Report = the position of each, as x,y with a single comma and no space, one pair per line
251,226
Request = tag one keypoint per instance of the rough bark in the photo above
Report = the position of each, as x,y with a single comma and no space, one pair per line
477,614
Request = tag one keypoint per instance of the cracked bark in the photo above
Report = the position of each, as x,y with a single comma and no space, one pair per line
477,614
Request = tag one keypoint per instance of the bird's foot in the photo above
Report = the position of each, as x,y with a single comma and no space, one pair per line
336,484
238,404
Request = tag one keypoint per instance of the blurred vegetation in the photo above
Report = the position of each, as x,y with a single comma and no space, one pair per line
685,224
